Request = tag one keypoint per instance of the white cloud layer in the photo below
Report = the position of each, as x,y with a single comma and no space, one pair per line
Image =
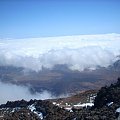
13,92
78,52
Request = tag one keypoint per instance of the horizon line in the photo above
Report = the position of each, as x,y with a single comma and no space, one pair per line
57,36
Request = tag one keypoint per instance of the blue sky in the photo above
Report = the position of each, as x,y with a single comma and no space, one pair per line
38,18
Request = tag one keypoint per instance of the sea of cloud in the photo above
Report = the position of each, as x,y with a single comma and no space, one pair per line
78,52
11,92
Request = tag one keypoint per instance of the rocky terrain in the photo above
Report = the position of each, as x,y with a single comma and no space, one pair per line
32,110
105,106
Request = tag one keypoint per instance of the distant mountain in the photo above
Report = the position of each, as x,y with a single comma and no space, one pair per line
115,66
60,79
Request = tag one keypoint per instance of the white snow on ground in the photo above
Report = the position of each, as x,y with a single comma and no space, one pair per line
39,114
58,104
109,104
84,105
118,110
69,109
54,103
92,98
33,109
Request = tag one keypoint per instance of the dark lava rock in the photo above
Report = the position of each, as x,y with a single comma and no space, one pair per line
44,109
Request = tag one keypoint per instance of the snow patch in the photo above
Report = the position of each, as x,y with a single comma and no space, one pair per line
69,109
84,105
54,103
109,104
33,109
118,110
